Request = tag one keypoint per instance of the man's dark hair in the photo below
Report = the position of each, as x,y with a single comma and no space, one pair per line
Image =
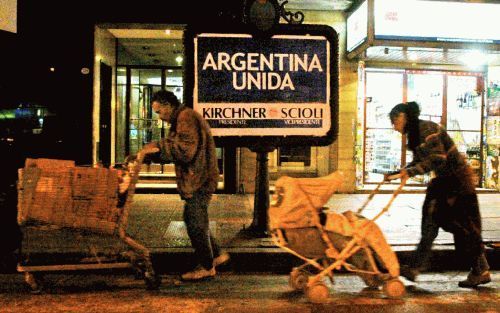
165,97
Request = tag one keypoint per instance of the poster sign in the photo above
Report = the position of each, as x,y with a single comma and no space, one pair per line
279,87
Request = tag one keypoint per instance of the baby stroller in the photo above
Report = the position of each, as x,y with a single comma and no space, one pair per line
328,241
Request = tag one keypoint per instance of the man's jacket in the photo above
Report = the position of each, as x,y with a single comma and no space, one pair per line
190,145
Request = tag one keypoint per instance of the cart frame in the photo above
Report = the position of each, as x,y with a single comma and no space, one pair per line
139,257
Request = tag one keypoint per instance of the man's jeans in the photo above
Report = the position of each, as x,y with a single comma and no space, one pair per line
196,220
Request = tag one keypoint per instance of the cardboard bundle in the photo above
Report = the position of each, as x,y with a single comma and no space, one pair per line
59,193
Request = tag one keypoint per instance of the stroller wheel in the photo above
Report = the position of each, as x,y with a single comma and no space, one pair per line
152,280
394,288
318,292
298,279
34,281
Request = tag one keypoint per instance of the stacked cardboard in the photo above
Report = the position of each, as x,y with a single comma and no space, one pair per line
58,192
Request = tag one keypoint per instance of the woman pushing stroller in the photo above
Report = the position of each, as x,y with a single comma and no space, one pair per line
451,200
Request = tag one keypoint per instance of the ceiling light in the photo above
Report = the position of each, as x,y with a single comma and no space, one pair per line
413,57
178,59
170,70
167,32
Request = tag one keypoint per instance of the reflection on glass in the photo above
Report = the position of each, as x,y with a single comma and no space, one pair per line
382,153
467,143
427,91
174,82
464,104
382,145
144,127
121,91
385,90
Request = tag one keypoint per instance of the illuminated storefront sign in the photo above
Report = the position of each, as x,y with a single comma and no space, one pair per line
274,87
357,27
437,21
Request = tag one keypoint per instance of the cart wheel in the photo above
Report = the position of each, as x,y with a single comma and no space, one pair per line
298,279
371,280
152,280
318,292
139,269
34,282
394,288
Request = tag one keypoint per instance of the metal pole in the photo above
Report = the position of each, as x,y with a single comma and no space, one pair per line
259,226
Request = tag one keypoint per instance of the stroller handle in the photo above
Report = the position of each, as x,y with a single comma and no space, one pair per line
374,192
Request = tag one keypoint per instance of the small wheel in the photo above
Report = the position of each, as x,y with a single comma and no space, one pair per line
33,282
139,269
371,280
318,292
298,279
394,288
152,280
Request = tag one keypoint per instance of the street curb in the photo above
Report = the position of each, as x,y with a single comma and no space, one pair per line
259,260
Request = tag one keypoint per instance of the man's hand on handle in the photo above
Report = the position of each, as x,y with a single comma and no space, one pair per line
146,150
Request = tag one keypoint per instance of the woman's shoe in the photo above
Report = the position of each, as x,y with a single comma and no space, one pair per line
474,280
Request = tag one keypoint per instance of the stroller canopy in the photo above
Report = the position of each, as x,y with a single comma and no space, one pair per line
297,201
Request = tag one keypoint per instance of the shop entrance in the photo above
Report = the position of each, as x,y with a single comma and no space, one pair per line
136,86
452,99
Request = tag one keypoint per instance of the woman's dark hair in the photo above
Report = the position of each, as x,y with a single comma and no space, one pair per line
412,112
166,97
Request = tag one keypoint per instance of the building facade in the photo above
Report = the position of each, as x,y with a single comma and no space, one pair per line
107,71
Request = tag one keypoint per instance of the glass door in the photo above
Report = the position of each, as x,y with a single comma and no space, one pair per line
137,124
382,144
143,126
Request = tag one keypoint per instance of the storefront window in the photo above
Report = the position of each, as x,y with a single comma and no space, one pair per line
427,90
382,144
453,96
143,126
294,156
121,114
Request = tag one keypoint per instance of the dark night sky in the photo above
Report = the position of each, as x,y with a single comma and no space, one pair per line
59,34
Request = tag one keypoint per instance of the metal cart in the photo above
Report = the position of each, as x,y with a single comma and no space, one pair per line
84,201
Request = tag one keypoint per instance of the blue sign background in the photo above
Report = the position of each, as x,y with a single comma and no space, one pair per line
217,86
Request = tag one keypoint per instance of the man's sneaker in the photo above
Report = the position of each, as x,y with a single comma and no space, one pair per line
221,259
199,273
474,280
409,273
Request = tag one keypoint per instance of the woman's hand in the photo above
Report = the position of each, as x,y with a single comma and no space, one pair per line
403,175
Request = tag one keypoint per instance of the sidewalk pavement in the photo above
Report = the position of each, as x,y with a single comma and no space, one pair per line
156,221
